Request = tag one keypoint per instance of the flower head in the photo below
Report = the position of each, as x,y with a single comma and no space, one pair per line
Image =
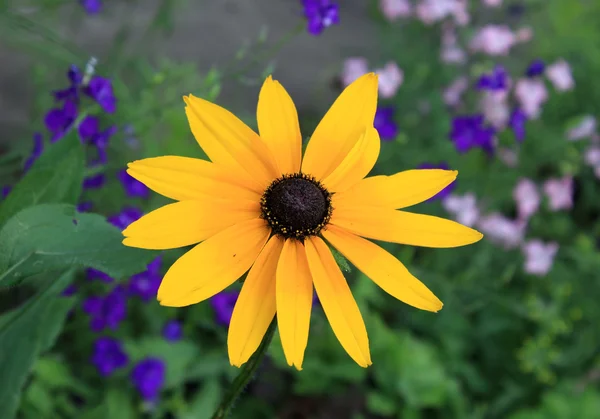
531,94
584,129
539,256
353,68
94,182
127,216
463,207
493,40
504,231
390,79
145,284
320,14
559,193
108,355
172,331
148,377
469,132
133,187
223,304
527,197
497,79
95,274
58,120
108,311
536,68
91,7
71,93
100,89
385,124
394,9
38,148
259,207
517,122
560,76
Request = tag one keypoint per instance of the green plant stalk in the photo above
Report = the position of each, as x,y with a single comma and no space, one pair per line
246,374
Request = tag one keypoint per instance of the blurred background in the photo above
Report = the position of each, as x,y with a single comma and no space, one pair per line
504,91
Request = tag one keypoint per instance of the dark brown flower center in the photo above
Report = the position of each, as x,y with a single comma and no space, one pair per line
296,206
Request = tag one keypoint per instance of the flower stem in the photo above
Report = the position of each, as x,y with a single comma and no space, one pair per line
246,374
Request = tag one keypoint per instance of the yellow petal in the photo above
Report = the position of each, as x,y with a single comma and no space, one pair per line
213,265
397,191
337,301
255,306
349,116
278,126
294,301
184,178
383,269
357,164
187,222
228,141
404,227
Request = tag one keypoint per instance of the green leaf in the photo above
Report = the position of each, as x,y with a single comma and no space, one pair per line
24,334
53,236
56,177
380,404
205,403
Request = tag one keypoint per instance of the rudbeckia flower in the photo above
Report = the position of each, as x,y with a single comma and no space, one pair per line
260,207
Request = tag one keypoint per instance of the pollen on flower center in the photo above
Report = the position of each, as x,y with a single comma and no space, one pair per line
296,206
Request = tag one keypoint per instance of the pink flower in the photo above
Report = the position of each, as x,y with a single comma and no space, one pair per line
492,3
560,76
539,256
390,79
354,67
463,208
493,40
501,230
495,108
523,34
394,9
585,128
527,197
531,94
431,11
451,52
454,92
559,193
508,157
592,158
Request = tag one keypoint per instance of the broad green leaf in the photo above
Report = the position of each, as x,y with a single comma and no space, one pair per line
205,403
53,236
56,176
24,334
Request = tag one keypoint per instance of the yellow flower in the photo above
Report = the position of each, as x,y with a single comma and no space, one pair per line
259,206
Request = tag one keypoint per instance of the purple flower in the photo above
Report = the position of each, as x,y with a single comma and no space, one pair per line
517,122
85,206
94,274
385,124
496,80
148,377
108,355
108,311
469,132
94,181
448,189
127,216
58,120
102,138
145,284
133,187
5,191
69,291
71,93
38,148
539,256
320,14
101,90
172,331
91,6
88,128
223,304
536,68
